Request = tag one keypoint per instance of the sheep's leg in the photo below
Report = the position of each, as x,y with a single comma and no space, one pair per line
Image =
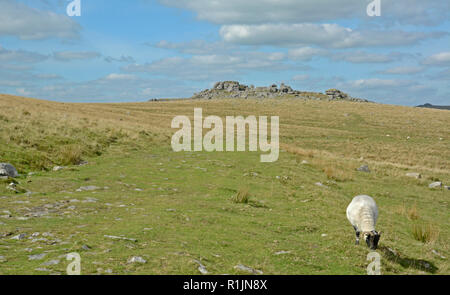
357,235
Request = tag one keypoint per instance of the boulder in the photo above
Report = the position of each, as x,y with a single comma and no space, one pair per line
364,168
436,184
335,94
7,169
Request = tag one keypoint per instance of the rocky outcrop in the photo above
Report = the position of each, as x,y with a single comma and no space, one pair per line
233,89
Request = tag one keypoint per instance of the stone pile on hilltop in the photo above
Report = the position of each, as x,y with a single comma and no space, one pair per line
233,89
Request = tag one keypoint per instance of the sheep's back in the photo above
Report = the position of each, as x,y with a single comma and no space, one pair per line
358,204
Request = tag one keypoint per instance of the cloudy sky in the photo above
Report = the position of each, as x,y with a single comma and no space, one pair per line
140,49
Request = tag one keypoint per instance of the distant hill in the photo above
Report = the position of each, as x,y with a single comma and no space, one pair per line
430,106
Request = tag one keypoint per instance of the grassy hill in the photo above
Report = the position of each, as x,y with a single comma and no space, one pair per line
179,208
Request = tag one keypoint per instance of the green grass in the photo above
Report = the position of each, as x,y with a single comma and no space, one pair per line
223,209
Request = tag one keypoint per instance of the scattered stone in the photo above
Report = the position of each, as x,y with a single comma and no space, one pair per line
86,247
58,168
248,269
321,184
438,254
201,268
283,252
304,162
2,259
120,238
414,175
37,256
447,187
137,259
437,184
88,188
8,170
90,200
19,237
364,168
42,269
324,235
51,262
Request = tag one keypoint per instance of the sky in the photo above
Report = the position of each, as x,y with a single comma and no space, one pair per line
136,50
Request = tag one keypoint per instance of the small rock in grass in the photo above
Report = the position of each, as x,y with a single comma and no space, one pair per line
364,168
19,237
137,259
37,256
201,268
414,175
58,168
86,247
120,238
438,254
88,188
51,262
437,184
282,252
248,269
320,184
2,259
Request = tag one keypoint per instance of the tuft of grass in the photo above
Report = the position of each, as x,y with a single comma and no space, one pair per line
338,174
412,213
425,233
241,197
71,154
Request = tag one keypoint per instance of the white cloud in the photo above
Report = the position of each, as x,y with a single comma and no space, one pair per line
195,47
72,55
27,23
303,77
365,57
20,56
403,70
439,59
114,76
306,53
376,83
295,11
326,35
213,66
123,58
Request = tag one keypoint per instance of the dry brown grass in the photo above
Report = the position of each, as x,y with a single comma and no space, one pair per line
425,233
311,129
242,196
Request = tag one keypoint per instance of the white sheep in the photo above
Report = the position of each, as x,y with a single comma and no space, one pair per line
363,214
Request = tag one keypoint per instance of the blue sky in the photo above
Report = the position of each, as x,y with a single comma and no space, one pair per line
135,50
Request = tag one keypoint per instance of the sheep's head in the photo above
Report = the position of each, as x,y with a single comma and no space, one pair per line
372,239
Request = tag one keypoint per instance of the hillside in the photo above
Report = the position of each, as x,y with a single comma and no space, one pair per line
430,106
122,179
